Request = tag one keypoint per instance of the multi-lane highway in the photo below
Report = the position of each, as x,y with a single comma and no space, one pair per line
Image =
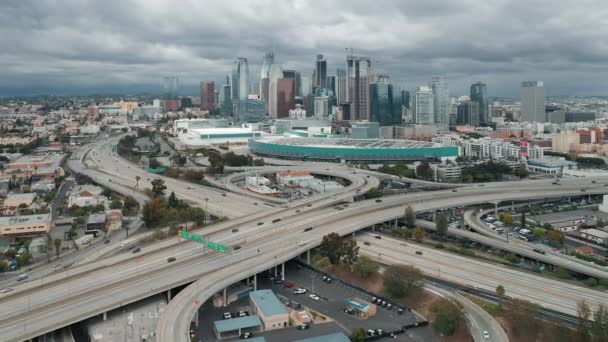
53,302
548,293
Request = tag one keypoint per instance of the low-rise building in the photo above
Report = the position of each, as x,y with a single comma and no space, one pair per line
85,195
16,200
26,225
595,235
267,306
39,166
449,173
550,165
95,223
113,220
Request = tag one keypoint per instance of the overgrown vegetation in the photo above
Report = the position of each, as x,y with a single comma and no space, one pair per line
399,170
160,212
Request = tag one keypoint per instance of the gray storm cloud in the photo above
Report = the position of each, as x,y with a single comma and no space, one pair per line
70,44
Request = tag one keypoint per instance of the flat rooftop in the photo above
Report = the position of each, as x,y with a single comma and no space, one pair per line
39,218
268,302
226,325
352,143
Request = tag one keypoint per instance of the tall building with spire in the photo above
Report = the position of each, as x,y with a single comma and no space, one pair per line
240,79
267,61
275,73
359,73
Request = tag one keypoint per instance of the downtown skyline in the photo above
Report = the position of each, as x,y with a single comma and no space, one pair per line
128,47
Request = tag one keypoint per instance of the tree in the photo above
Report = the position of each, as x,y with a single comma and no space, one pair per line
349,252
172,202
128,204
522,172
57,242
506,218
365,267
599,326
330,247
441,223
402,280
419,234
524,313
48,247
425,171
116,204
158,188
373,193
448,316
358,335
107,192
583,314
556,238
410,216
152,212
500,292
137,178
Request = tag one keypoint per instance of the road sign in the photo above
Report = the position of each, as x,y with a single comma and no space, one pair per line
194,237
216,246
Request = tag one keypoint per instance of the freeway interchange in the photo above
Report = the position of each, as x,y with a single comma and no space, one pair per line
49,303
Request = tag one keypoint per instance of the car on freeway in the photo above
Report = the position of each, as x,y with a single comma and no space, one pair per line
236,247
234,230
6,289
486,335
367,243
136,250
56,265
299,290
419,252
170,259
260,223
378,200
22,277
301,243
314,296
106,242
378,237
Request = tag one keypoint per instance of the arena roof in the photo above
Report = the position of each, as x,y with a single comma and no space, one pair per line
352,149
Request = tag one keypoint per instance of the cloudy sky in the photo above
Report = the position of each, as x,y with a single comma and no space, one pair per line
83,46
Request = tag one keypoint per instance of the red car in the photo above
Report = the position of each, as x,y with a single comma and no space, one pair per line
289,285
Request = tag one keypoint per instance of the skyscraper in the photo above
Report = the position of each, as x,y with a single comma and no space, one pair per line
305,86
267,61
331,84
533,101
321,72
441,100
286,92
275,73
321,105
208,95
226,97
423,106
341,88
467,113
170,88
478,94
382,103
240,79
296,77
359,74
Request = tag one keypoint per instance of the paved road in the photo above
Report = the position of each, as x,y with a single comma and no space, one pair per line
361,214
548,293
478,320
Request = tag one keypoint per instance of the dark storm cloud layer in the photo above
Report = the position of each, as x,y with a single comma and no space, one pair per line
63,45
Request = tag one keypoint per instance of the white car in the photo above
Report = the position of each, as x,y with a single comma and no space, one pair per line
299,291
301,243
314,296
486,335
6,289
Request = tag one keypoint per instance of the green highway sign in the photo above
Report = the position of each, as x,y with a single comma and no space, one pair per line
217,246
189,236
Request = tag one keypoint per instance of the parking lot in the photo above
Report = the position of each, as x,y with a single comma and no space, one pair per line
331,304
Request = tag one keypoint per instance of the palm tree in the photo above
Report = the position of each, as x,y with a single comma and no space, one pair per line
137,178
500,292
